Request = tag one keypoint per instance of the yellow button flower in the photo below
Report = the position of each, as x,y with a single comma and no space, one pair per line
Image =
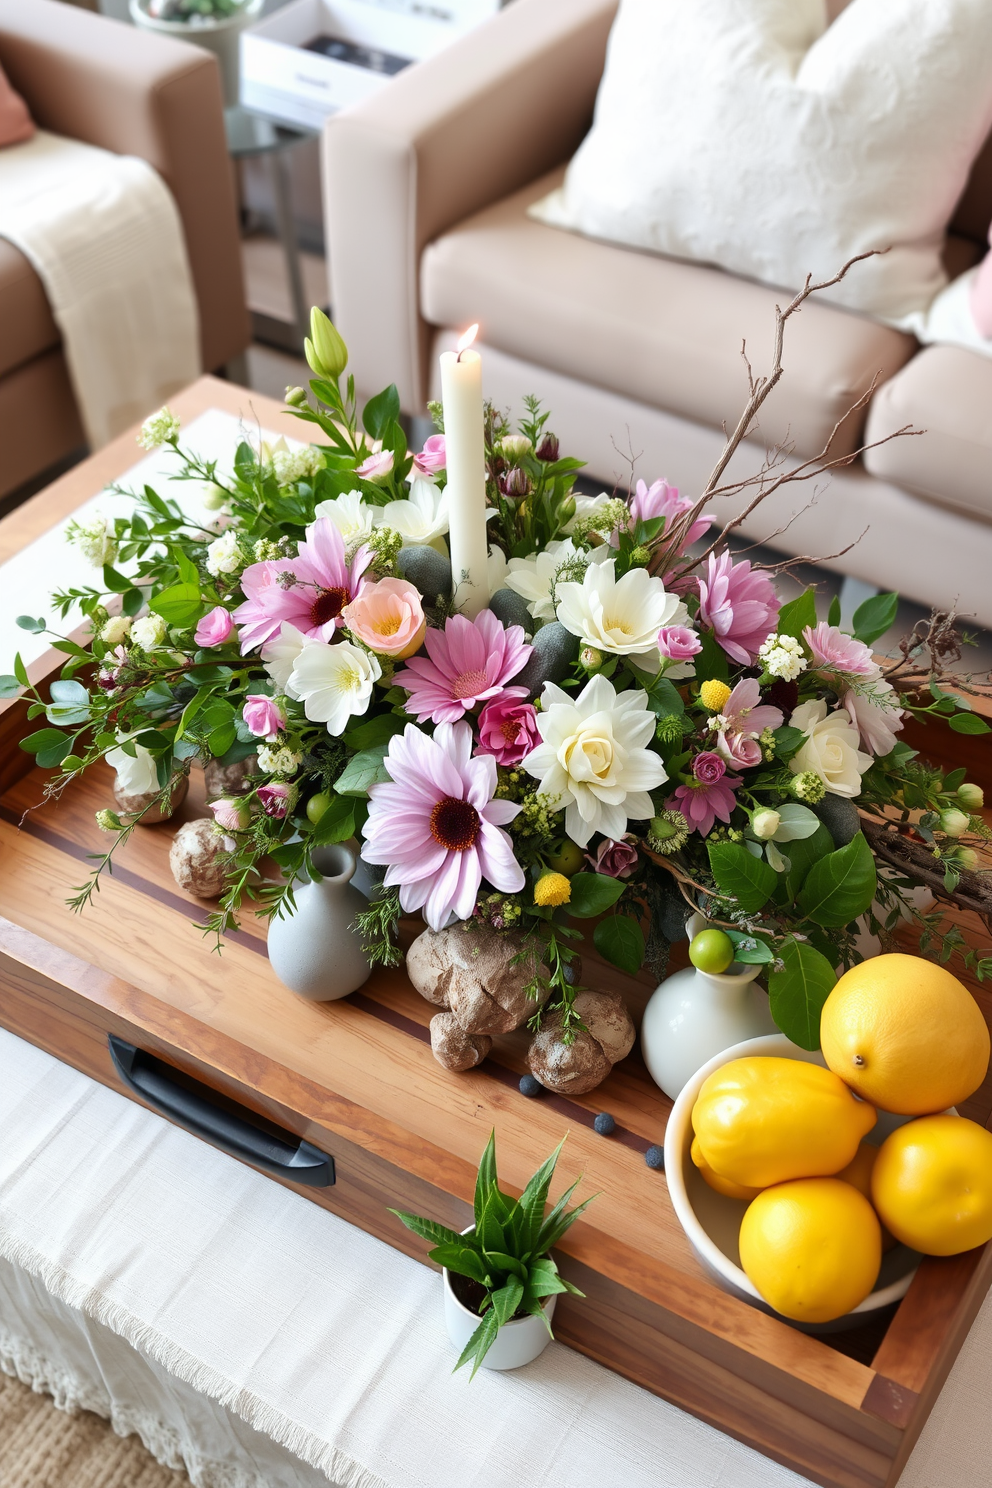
713,695
552,889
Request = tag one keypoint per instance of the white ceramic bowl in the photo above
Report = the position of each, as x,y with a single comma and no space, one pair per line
712,1222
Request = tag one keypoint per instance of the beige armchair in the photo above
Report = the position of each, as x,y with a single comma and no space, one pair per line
426,189
110,85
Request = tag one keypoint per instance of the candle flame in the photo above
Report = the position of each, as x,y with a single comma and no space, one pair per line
466,341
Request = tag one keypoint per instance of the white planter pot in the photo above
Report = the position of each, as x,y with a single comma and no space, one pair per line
220,35
517,1343
712,1222
694,1014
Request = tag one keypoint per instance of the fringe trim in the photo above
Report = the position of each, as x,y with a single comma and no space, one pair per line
339,1467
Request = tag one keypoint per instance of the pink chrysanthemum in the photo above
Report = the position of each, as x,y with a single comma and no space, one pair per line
701,804
466,663
436,826
309,591
833,651
739,606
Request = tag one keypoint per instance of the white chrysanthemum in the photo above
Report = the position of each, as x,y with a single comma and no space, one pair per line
619,616
334,683
783,656
290,465
352,516
534,578
422,518
830,749
94,539
116,630
594,758
149,632
282,761
279,655
156,430
224,555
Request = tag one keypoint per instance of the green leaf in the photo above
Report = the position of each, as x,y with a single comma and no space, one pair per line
337,823
381,411
67,715
489,1231
711,661
498,1260
21,671
954,779
43,739
544,1280
115,582
751,881
787,741
158,696
180,604
593,894
361,771
208,675
873,618
833,614
840,886
9,686
794,617
968,723
750,950
132,601
72,694
27,622
796,994
620,941
802,854
428,1229
558,1221
480,1343
507,1299
377,730
535,1197
485,1181
664,699
462,1259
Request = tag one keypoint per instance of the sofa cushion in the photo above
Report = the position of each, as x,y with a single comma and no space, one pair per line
26,324
660,330
947,392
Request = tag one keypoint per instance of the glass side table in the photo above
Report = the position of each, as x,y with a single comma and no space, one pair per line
251,134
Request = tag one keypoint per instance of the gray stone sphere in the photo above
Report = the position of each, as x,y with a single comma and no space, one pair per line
511,608
555,652
840,817
428,569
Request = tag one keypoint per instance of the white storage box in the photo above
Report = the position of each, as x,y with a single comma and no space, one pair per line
360,45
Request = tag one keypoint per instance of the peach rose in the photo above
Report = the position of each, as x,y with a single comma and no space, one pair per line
388,617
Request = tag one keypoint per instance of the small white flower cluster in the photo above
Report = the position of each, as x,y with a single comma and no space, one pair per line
224,556
282,761
783,656
159,429
93,539
117,630
149,632
293,465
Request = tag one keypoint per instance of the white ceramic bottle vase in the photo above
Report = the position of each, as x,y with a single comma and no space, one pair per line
694,1015
317,952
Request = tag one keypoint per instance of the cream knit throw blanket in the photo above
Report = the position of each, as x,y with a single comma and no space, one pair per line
103,234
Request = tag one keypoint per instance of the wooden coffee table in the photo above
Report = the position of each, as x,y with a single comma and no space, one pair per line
356,1081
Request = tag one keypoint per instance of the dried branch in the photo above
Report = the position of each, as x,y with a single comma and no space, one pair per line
974,891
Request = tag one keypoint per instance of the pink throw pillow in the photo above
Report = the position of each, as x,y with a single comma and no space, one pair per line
16,124
981,295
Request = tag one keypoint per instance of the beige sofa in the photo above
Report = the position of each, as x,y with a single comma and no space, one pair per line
426,189
96,80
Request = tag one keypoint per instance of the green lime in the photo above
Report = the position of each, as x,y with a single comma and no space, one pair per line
568,859
318,804
711,951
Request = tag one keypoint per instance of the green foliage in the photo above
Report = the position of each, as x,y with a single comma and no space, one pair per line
797,615
873,618
593,894
620,941
362,770
507,1251
840,886
740,876
797,992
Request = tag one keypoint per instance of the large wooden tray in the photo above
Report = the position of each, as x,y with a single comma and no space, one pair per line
357,1080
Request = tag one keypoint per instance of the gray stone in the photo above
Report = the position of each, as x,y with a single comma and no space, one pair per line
511,609
555,652
840,817
428,569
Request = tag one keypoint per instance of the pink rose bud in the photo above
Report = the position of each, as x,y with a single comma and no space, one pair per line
277,798
508,730
215,628
614,859
263,717
708,768
433,457
678,642
233,816
377,468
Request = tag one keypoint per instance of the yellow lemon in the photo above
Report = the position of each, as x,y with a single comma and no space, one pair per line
721,1185
812,1248
858,1173
761,1121
932,1184
905,1034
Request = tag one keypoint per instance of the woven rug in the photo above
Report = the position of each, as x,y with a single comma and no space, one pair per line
41,1447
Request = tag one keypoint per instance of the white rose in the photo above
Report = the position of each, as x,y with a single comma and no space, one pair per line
137,774
116,630
224,555
831,748
149,632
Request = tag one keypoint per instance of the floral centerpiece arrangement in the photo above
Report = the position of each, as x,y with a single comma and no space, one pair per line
636,727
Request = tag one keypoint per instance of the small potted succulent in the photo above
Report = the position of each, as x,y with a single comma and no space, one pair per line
500,1283
213,24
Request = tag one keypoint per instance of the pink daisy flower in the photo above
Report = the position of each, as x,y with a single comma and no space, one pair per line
466,663
739,606
744,718
663,500
309,591
712,795
833,651
436,826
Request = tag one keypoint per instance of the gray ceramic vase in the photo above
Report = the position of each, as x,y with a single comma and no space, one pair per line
317,952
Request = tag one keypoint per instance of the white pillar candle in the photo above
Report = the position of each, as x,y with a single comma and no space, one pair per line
465,458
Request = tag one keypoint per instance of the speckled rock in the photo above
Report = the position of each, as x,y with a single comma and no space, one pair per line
453,1047
468,969
555,651
428,569
840,817
573,1069
511,608
130,804
228,780
195,858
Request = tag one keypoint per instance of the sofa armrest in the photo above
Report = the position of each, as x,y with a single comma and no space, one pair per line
498,108
109,84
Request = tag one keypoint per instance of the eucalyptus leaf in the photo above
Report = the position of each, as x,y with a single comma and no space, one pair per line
9,686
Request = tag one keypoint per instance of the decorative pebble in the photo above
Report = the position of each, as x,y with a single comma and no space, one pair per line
604,1124
655,1158
529,1086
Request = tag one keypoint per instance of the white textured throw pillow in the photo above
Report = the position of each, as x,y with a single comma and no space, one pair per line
749,134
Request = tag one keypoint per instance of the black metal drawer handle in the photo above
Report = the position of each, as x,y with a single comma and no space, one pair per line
199,1113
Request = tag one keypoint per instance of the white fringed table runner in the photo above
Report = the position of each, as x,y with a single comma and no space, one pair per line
103,234
330,1342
